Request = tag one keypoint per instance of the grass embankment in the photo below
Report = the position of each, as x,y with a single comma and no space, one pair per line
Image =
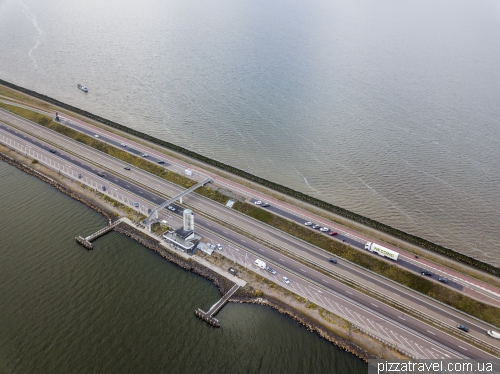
416,282
455,299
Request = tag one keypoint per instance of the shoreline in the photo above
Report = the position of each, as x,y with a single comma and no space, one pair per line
223,284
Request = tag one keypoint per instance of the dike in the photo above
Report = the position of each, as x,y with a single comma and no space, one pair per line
368,222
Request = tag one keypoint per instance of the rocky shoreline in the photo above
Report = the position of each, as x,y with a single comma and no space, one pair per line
222,283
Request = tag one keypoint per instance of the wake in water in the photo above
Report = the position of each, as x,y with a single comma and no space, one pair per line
40,33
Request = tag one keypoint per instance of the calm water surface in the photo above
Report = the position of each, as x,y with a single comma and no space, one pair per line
121,308
390,109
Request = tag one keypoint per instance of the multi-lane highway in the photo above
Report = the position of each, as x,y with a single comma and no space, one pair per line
125,185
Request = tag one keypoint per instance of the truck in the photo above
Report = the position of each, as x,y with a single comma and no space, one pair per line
261,264
382,251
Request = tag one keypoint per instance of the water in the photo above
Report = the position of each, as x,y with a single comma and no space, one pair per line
121,308
386,108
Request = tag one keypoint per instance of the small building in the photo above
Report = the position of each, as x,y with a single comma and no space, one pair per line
184,237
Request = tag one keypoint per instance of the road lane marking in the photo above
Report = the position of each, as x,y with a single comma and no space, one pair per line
376,306
430,332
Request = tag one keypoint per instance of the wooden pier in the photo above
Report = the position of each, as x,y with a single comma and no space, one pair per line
86,242
209,316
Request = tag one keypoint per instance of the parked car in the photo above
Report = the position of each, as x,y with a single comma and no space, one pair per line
332,260
333,233
308,223
258,202
219,247
126,168
232,271
426,272
123,144
104,188
494,334
136,204
316,227
444,280
79,175
52,150
265,205
324,229
96,136
463,328
286,280
161,162
271,270
145,155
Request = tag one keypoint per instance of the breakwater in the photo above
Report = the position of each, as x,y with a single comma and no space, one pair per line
277,187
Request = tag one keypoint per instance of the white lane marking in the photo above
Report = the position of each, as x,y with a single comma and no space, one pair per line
430,332
303,270
462,347
376,306
349,293
401,318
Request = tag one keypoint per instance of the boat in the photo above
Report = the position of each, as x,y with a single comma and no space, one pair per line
83,88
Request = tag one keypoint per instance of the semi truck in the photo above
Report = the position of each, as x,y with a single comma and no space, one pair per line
382,251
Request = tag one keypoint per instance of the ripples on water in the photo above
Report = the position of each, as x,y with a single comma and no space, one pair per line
387,109
121,308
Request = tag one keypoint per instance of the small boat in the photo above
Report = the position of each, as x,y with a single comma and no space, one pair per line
83,88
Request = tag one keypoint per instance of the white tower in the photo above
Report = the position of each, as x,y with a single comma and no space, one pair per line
188,219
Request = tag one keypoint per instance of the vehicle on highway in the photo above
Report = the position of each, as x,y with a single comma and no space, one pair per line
426,272
104,188
324,229
101,174
219,247
271,270
258,202
161,162
333,233
286,280
463,328
261,264
79,175
265,205
382,251
316,227
171,208
444,280
123,144
83,88
52,150
96,136
494,334
136,204
126,168
308,223
145,155
332,260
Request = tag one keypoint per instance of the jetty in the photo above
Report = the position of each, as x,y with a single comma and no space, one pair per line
209,316
86,242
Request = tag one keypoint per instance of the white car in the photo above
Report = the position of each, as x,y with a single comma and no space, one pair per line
145,155
324,229
286,280
494,334
123,144
308,223
96,136
219,247
258,202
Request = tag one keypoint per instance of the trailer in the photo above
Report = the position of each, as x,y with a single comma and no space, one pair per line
382,251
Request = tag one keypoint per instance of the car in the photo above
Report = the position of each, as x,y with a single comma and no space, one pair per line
308,223
493,334
444,280
333,233
52,150
463,328
271,270
332,260
79,175
145,155
126,168
258,202
170,207
232,271
101,174
426,272
316,227
96,136
265,205
123,144
286,280
219,247
161,162
136,204
104,188
324,229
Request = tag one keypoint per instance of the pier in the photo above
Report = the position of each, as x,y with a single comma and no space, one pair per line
86,242
209,316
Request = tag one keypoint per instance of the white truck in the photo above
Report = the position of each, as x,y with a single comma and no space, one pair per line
382,251
261,264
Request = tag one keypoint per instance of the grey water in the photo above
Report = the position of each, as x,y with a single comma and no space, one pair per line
386,108
121,308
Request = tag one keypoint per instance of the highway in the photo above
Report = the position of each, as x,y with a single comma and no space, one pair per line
304,275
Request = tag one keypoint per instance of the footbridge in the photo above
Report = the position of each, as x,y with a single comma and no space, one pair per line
153,216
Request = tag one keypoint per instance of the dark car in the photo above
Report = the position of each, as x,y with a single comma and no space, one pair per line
271,270
426,272
126,168
232,271
101,174
161,162
265,205
79,175
332,260
104,188
52,150
463,328
444,280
